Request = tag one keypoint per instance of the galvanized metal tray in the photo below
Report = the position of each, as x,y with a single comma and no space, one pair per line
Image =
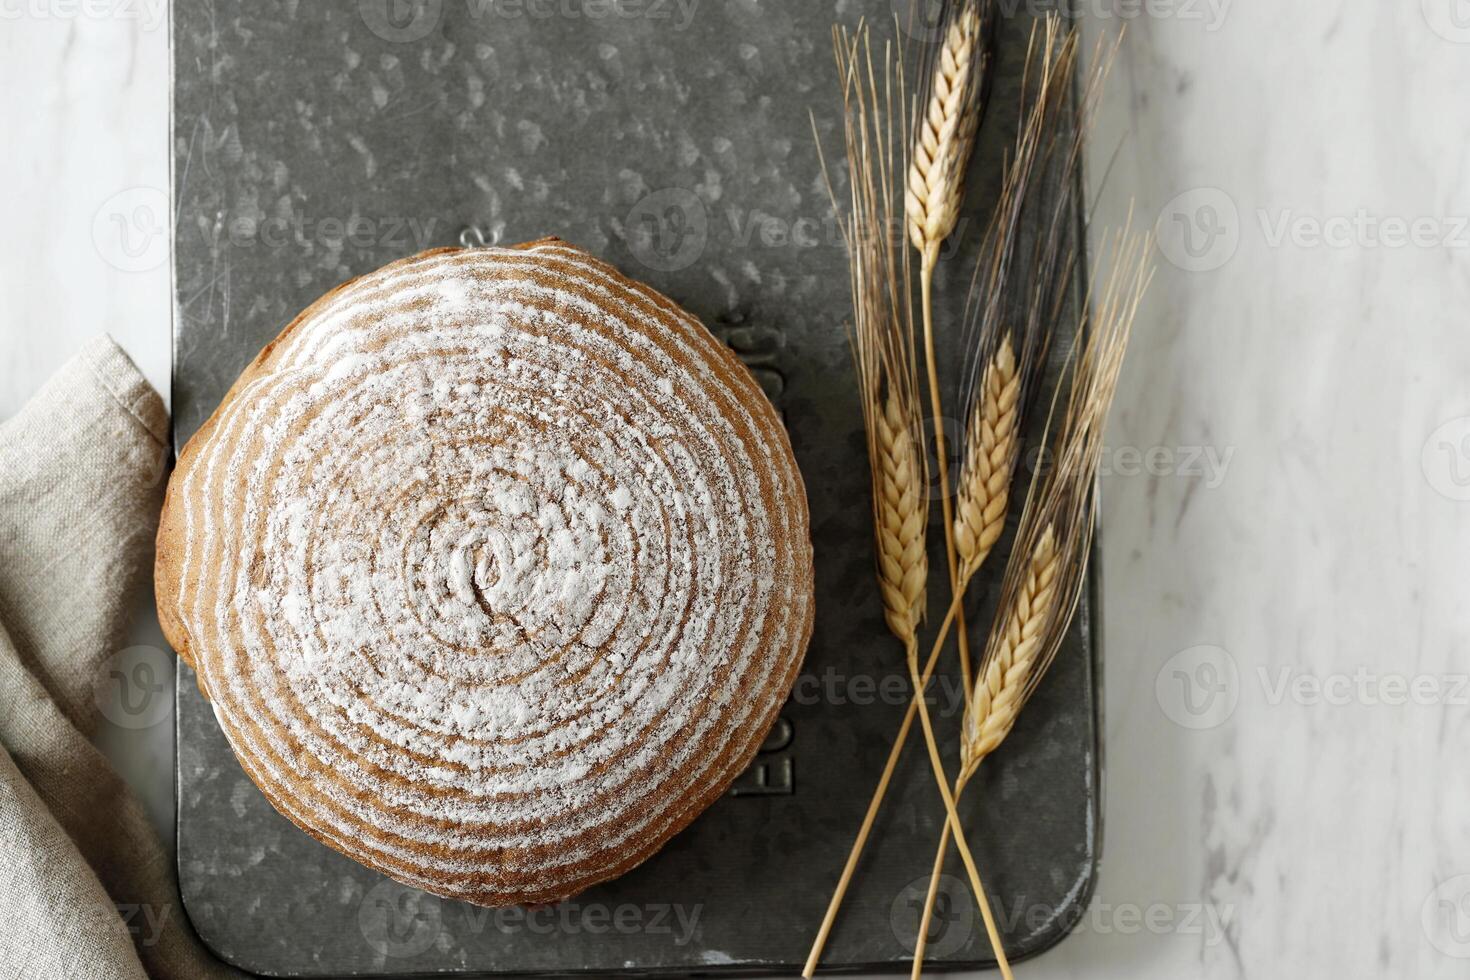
315,142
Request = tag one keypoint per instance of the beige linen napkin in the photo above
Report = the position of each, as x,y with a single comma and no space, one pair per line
86,889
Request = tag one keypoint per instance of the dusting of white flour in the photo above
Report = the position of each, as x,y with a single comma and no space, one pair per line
487,563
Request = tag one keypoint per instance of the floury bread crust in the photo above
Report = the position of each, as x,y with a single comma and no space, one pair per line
496,567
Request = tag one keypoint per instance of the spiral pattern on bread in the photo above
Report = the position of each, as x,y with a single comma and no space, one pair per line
496,568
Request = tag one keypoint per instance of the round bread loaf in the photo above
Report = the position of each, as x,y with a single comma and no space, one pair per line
496,567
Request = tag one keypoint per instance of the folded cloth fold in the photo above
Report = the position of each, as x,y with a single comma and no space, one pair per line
86,889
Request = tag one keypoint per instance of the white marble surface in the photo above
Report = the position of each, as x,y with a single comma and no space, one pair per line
1289,505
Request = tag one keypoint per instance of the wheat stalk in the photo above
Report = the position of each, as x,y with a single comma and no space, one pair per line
943,139
1005,678
1004,280
940,151
999,695
1045,576
991,447
883,346
1006,288
942,144
945,131
882,338
1011,666
899,515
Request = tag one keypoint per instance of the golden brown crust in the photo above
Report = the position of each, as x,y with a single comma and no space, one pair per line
644,774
